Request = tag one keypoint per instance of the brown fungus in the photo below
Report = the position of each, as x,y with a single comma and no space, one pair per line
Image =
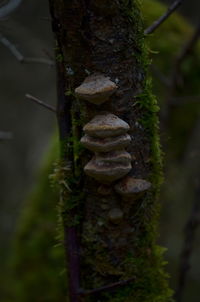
106,125
105,144
114,157
131,187
96,89
106,173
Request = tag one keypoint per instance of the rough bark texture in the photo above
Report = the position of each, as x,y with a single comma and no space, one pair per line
106,37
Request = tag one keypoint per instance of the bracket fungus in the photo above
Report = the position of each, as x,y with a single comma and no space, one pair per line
132,188
114,157
106,136
96,89
106,172
106,125
105,144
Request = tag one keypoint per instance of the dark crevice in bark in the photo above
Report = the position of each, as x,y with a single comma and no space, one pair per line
64,105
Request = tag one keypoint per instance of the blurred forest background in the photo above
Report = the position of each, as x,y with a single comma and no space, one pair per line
33,127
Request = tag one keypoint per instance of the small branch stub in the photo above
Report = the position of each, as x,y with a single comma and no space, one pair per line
96,89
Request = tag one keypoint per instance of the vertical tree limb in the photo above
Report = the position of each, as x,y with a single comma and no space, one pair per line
188,244
176,74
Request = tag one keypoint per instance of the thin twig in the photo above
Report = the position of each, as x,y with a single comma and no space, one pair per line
190,231
18,55
48,54
176,74
189,46
5,136
8,8
110,287
11,47
38,60
167,14
185,51
41,103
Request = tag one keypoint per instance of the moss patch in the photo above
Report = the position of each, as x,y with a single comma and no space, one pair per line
38,258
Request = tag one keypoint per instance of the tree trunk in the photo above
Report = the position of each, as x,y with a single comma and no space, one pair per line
111,254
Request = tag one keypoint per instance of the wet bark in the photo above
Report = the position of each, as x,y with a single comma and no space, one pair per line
104,37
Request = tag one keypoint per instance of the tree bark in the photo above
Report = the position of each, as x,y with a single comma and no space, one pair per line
107,261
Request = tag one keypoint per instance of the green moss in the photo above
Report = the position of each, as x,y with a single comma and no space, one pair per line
59,58
38,259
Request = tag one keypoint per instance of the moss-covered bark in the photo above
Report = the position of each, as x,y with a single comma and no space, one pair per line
107,37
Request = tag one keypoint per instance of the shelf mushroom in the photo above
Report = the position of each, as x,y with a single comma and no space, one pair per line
106,125
132,188
106,172
96,89
107,144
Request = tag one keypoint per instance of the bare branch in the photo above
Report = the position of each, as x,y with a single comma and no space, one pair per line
5,136
176,78
185,51
41,103
13,49
38,60
8,8
105,288
164,17
189,46
190,231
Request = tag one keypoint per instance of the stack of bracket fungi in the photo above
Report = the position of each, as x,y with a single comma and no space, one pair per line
106,134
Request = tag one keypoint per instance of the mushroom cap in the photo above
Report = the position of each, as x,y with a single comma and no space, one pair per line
115,157
131,187
106,125
105,144
96,89
106,173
